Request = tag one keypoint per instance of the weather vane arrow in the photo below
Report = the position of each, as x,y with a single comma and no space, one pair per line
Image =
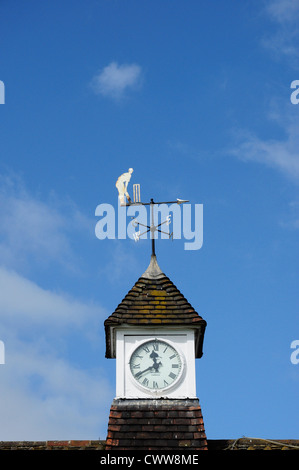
125,200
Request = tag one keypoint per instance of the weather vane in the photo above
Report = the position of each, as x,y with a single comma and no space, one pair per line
125,200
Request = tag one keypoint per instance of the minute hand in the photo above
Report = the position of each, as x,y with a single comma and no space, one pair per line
143,371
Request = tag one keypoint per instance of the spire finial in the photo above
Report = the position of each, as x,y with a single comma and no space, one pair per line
153,271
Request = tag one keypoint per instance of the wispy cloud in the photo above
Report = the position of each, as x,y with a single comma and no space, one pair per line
46,389
283,43
45,397
36,231
40,306
44,393
115,80
283,11
282,155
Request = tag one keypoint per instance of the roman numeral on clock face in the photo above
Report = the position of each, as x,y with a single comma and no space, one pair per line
156,364
140,357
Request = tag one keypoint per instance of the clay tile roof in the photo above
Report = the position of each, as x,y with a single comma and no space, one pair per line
153,424
115,423
154,301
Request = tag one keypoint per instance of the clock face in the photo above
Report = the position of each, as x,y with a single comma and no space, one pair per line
156,365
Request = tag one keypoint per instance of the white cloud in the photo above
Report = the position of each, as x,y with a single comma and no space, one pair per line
45,397
45,393
281,155
283,10
34,231
48,387
114,80
283,43
22,301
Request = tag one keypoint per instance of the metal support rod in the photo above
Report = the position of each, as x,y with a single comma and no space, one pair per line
152,228
178,201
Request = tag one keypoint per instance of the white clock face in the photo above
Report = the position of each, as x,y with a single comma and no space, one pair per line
156,365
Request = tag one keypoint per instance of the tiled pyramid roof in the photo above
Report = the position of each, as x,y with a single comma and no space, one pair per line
154,301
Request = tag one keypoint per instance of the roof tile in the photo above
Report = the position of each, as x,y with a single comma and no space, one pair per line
138,425
153,300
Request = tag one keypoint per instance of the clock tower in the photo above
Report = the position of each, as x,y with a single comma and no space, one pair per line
155,336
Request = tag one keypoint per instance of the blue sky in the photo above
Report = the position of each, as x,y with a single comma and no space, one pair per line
195,96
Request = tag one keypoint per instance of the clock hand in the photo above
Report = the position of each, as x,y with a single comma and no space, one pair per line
143,371
155,365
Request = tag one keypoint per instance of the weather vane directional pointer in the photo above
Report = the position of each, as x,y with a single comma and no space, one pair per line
122,187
